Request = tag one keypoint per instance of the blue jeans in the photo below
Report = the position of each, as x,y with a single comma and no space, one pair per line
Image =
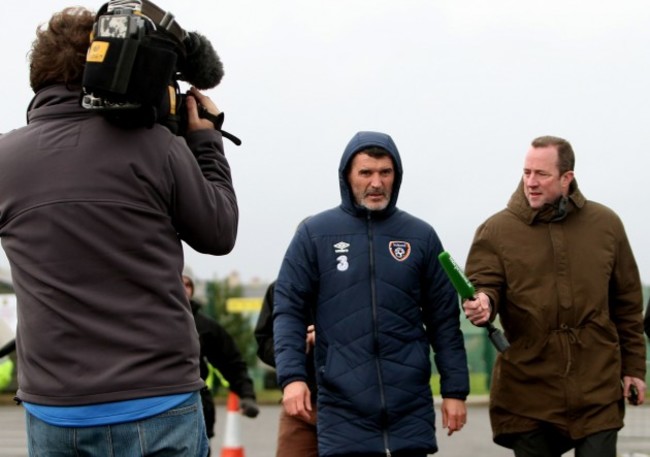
179,432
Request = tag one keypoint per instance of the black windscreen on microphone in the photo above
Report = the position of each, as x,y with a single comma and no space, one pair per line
201,66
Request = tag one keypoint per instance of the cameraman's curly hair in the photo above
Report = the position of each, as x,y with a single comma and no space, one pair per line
58,53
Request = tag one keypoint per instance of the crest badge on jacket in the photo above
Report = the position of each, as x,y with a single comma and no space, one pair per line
400,250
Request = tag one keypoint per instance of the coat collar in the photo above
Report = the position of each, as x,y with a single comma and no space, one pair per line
54,100
518,205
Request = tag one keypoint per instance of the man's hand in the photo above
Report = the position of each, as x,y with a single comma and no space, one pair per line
249,407
454,414
194,121
311,338
639,384
478,309
296,399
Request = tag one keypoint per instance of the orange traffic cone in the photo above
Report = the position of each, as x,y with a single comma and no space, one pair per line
232,446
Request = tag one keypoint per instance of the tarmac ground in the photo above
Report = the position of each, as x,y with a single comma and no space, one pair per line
258,435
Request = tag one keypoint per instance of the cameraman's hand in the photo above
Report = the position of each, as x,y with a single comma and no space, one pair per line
194,122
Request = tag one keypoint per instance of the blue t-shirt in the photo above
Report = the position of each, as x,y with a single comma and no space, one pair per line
105,413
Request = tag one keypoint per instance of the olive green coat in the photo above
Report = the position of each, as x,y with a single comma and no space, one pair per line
568,294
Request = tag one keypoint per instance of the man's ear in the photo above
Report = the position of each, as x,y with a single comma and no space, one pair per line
566,178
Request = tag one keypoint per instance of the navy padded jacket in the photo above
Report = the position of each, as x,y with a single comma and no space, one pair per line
380,299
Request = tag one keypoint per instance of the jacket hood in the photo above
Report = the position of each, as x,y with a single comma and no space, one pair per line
518,205
359,142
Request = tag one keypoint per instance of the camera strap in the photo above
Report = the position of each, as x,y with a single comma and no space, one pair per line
163,19
218,122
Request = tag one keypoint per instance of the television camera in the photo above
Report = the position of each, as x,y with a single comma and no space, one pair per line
137,55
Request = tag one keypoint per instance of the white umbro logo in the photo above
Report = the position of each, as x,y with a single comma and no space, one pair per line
341,247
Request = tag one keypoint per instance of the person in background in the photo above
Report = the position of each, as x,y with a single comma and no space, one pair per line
219,349
559,272
8,348
6,364
370,274
296,434
92,220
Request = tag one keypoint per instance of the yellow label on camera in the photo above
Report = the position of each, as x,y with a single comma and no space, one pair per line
172,99
97,52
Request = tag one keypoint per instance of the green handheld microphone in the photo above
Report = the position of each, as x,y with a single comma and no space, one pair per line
466,291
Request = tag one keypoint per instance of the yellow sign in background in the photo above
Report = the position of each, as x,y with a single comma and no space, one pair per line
243,305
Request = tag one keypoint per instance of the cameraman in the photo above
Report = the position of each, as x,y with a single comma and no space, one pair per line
91,219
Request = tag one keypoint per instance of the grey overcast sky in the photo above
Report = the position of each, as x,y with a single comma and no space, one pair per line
462,86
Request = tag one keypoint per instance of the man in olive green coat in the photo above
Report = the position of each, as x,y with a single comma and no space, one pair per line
559,272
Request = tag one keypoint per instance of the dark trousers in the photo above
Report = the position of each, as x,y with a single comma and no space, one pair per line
393,454
209,412
548,442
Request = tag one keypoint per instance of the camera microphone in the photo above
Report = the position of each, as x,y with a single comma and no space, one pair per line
202,67
199,63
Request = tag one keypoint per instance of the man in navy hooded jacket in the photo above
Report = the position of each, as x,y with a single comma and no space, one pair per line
381,298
